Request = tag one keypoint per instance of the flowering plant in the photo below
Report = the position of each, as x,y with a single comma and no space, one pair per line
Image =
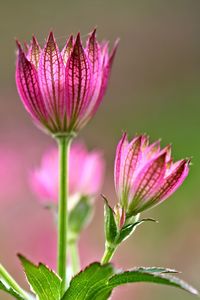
62,90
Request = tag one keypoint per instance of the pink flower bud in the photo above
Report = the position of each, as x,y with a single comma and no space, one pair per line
145,175
86,172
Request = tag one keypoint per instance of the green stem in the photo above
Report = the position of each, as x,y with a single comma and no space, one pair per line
108,254
12,283
74,254
64,146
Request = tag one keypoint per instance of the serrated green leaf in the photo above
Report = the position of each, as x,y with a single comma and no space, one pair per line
87,283
43,281
98,281
139,275
110,226
80,215
4,287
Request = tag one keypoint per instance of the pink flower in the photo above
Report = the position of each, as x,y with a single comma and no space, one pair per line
63,89
86,172
145,175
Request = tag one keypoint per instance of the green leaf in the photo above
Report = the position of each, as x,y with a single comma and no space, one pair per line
4,287
127,230
98,281
80,216
87,283
110,226
44,282
140,275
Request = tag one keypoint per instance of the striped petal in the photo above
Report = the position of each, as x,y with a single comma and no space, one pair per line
93,51
101,83
51,77
78,77
67,50
28,86
149,178
106,75
119,158
34,52
172,182
132,158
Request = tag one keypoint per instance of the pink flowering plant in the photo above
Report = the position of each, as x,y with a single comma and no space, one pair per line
62,91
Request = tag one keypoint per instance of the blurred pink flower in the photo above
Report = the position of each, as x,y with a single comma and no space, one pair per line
86,172
145,175
63,89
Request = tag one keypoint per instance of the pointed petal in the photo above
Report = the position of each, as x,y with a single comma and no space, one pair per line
28,86
149,178
78,77
67,50
34,52
131,160
172,182
106,76
52,77
119,157
93,51
101,84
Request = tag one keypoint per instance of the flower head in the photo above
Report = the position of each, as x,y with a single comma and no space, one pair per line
145,175
63,89
86,171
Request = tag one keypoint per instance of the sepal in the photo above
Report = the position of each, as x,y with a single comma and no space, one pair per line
110,225
79,216
128,230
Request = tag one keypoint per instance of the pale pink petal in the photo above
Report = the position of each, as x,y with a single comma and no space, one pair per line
119,159
105,76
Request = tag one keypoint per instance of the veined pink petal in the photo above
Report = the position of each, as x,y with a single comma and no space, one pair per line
149,177
51,74
34,52
78,76
28,86
151,151
119,158
94,55
132,158
67,50
172,182
101,83
106,75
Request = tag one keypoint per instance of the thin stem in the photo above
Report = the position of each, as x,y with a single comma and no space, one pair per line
12,283
74,254
108,254
64,146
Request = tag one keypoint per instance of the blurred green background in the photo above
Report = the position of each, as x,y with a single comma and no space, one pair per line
154,89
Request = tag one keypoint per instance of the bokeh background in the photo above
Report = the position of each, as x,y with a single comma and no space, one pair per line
154,88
